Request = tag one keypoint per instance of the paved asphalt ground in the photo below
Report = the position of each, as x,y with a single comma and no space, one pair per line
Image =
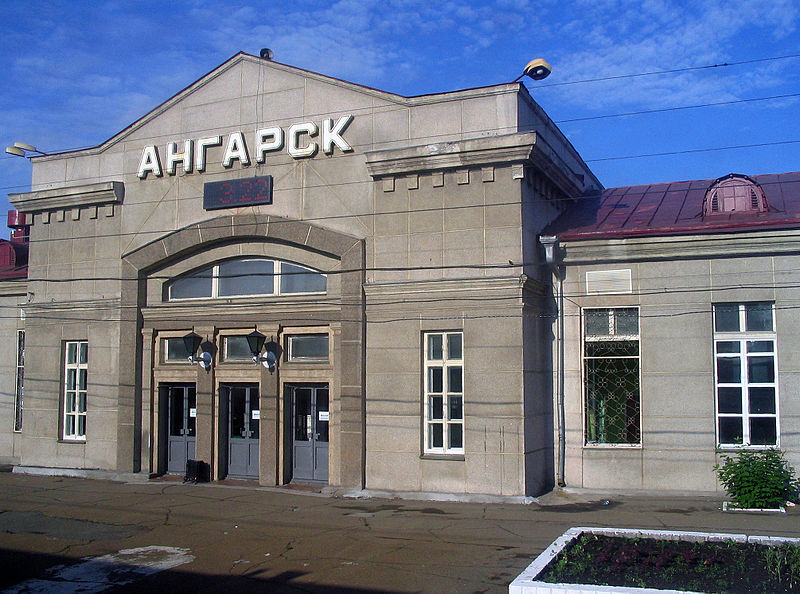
246,539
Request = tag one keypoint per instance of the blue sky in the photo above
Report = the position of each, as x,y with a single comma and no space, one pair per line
73,73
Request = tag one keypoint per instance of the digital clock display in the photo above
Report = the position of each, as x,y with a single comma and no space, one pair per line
234,193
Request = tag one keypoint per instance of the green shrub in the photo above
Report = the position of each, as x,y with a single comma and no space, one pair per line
758,479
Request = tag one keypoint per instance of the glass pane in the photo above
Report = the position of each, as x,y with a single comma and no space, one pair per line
729,370
176,411
763,431
759,346
454,346
69,429
627,321
762,400
236,348
297,279
726,317
454,379
456,410
596,322
176,349
82,402
322,407
191,421
70,404
81,426
730,430
434,347
246,277
728,346
255,405
761,370
456,439
309,346
729,400
71,375
84,353
758,317
437,435
82,379
72,353
435,379
193,286
436,408
612,348
302,414
237,413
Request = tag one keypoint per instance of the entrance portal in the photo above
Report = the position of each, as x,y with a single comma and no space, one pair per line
310,419
180,401
244,416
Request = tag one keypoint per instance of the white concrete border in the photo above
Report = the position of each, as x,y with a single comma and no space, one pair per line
526,582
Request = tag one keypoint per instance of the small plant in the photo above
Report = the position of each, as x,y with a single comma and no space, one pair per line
758,479
783,563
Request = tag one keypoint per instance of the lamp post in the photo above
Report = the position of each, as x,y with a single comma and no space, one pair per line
21,149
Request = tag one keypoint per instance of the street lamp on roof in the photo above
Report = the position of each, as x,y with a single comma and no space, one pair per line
21,149
537,69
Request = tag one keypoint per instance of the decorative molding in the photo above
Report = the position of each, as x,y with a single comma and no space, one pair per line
69,197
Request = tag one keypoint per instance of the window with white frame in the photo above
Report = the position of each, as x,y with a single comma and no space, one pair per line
745,374
611,366
18,393
307,347
75,389
444,392
246,277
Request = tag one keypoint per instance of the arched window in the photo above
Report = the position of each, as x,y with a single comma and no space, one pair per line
734,193
246,277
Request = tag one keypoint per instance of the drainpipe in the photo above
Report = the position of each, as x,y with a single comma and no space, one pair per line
550,243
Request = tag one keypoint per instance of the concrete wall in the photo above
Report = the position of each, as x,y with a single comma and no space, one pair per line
675,297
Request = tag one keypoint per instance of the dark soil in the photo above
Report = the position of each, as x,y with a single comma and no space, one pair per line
669,564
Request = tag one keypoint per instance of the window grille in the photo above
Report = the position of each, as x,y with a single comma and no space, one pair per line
18,394
611,376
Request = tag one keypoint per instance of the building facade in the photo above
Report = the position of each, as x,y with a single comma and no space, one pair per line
383,249
292,278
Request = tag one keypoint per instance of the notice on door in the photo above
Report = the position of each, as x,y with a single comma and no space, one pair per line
192,413
255,414
324,415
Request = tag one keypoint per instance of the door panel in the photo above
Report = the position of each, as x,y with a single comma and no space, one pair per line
181,425
310,420
243,429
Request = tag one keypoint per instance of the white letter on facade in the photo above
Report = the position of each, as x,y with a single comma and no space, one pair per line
200,150
149,162
331,134
268,139
173,157
295,131
236,149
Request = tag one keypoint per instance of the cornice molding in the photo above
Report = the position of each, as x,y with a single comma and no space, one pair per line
111,192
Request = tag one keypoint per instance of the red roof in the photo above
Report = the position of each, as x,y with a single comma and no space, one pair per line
675,208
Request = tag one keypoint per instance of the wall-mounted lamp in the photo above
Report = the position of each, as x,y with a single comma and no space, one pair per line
20,149
192,342
255,341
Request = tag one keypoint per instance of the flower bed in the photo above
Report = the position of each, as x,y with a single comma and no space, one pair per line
589,560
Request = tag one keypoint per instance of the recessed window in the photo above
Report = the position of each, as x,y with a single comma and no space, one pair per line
20,380
611,376
247,277
175,350
444,392
237,349
307,347
745,374
76,360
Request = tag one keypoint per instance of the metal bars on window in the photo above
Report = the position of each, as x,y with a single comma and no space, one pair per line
745,374
444,392
611,364
76,359
18,393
